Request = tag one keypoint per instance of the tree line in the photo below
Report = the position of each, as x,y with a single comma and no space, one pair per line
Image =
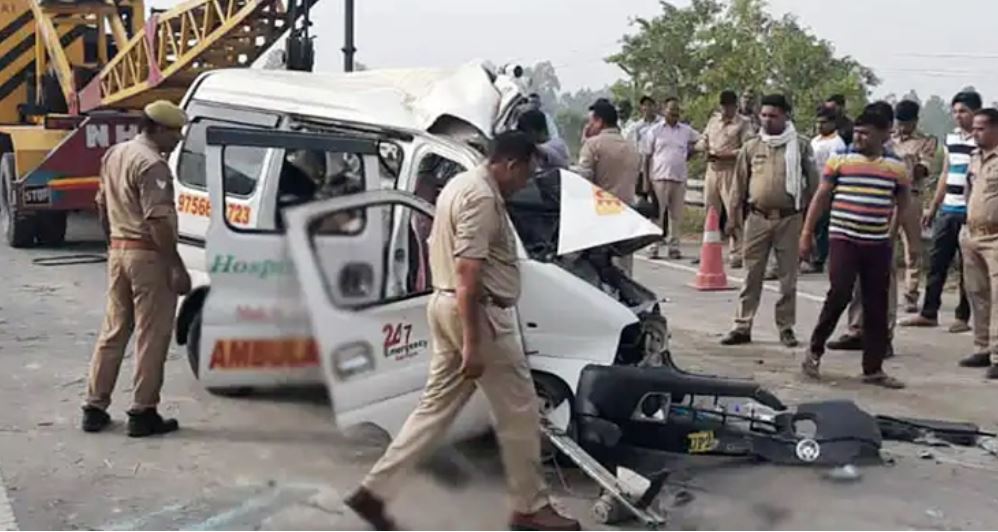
695,52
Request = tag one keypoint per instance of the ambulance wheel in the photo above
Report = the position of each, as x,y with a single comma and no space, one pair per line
556,401
18,229
51,228
194,358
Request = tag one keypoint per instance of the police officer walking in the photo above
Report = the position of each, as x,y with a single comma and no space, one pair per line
774,179
475,343
145,274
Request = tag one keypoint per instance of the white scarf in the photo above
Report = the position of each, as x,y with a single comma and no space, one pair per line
795,181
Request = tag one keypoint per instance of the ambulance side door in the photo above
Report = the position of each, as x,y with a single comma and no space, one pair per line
373,333
256,330
245,169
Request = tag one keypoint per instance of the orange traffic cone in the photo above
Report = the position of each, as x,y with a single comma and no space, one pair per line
711,275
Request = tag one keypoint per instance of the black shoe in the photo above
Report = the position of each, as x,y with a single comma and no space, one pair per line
977,360
846,342
883,380
992,372
788,339
94,419
736,338
149,423
371,509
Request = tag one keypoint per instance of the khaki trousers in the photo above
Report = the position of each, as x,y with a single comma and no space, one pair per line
911,238
507,386
717,190
782,237
139,298
980,274
671,203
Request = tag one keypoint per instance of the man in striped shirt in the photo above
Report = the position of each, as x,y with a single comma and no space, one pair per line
950,204
863,185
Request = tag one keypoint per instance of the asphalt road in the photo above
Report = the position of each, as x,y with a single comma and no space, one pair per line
275,462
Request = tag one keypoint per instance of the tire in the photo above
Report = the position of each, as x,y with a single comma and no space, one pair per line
51,228
552,392
18,229
193,339
194,358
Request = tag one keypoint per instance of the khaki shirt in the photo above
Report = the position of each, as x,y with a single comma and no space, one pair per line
753,121
916,150
722,136
471,223
612,163
761,177
136,185
982,206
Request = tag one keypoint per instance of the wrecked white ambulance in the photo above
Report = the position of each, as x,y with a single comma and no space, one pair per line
304,205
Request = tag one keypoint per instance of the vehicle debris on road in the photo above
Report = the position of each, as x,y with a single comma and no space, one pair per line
846,473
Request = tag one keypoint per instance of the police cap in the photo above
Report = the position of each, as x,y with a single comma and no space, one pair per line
166,114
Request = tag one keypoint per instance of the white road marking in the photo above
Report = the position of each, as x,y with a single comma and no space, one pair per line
7,519
739,280
224,520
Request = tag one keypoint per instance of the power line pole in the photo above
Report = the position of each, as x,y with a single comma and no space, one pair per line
348,47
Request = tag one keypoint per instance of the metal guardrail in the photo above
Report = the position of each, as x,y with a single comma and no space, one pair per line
694,193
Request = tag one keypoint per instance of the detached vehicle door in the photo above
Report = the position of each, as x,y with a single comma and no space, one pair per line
255,330
368,310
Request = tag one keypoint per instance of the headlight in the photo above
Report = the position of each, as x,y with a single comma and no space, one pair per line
352,360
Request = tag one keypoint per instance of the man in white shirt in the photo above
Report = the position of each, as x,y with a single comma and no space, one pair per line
828,142
636,131
670,145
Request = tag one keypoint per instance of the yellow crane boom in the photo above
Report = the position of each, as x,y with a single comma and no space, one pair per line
63,63
173,48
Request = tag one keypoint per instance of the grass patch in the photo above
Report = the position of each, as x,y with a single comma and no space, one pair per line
693,220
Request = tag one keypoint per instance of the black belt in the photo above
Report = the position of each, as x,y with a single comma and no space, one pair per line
487,300
774,214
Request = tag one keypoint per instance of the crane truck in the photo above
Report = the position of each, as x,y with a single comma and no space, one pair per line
74,75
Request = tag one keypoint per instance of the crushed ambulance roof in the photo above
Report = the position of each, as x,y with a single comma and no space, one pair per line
404,99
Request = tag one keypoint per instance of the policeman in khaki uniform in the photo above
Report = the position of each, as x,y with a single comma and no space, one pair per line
724,135
145,274
774,180
611,162
918,151
979,243
475,343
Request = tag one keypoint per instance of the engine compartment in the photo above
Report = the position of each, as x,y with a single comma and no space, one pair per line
536,214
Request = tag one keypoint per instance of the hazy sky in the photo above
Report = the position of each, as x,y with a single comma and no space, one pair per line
937,49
